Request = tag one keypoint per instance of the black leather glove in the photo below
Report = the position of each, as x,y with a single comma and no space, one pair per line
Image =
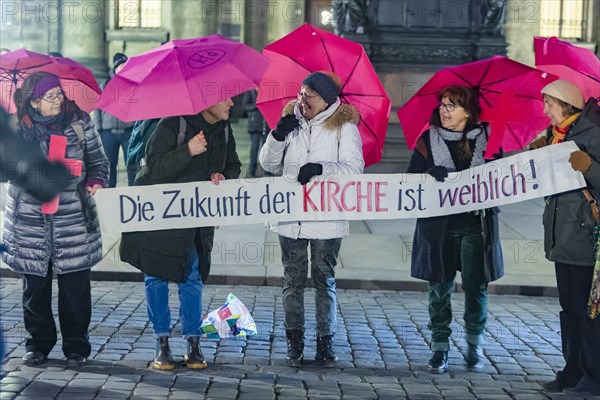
309,170
285,125
499,154
438,172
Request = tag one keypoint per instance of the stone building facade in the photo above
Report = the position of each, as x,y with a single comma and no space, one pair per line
407,40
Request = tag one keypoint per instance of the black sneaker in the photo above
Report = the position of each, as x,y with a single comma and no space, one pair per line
76,360
325,354
552,387
586,386
474,357
33,358
295,342
438,362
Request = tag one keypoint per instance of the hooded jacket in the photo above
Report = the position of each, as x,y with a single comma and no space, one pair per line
70,238
331,139
568,223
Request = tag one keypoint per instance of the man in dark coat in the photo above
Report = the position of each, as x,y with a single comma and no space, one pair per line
207,154
257,128
115,134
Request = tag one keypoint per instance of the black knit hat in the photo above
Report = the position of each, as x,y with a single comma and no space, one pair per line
324,85
118,59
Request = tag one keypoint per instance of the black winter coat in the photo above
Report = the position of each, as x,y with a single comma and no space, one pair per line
427,261
167,250
568,222
256,121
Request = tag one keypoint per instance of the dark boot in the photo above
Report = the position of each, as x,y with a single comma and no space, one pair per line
193,356
33,358
295,342
164,358
75,360
325,353
474,357
438,362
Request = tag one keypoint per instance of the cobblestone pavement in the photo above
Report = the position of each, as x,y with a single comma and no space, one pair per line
382,344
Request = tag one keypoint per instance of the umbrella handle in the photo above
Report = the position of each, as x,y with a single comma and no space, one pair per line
546,44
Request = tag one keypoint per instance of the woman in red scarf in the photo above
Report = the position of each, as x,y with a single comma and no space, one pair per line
568,235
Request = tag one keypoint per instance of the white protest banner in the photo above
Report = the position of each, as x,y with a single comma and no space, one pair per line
518,178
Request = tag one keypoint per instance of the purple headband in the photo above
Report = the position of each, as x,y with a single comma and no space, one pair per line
45,84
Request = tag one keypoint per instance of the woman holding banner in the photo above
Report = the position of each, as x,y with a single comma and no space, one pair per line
568,235
466,242
318,135
67,242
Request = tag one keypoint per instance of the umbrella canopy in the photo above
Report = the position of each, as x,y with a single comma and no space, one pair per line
182,77
509,96
77,81
309,49
576,64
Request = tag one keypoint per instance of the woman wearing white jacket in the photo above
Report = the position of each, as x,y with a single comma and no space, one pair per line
317,136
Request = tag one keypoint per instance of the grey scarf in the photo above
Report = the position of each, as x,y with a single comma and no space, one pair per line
441,153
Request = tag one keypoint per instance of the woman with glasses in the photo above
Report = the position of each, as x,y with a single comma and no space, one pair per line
466,242
66,241
317,136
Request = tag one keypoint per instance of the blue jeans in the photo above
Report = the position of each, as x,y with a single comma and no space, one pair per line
190,301
112,142
463,249
323,259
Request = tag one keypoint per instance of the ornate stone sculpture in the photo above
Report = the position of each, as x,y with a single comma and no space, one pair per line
349,16
493,17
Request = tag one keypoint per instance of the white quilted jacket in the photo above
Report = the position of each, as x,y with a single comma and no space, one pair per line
331,139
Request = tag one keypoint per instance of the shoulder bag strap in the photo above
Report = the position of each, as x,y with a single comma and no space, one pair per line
593,204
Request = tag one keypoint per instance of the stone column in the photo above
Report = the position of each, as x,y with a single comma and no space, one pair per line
284,16
256,23
594,20
81,34
191,19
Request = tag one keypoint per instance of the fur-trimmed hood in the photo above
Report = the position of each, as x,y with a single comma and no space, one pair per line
344,113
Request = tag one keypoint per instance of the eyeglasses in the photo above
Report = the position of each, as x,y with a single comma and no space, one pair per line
305,96
54,98
450,107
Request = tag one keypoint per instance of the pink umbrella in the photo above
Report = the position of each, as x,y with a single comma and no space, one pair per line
77,81
509,96
309,49
576,64
182,77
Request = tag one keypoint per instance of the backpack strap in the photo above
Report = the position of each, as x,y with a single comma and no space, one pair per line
182,129
226,142
78,128
593,204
